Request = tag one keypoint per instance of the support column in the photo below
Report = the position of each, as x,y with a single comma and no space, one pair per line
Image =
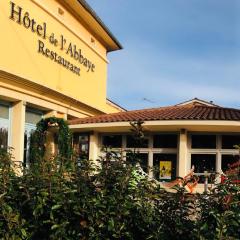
50,146
93,146
17,130
150,157
183,154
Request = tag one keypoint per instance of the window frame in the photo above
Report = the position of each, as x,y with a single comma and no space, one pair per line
149,150
219,151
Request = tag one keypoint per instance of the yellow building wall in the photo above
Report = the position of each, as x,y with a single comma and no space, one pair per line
111,108
22,50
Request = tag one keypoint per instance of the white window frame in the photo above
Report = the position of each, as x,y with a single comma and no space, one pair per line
149,150
219,151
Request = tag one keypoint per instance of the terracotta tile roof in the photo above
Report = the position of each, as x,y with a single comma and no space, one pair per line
177,112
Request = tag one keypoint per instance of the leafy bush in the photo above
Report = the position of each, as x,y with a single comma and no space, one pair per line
62,199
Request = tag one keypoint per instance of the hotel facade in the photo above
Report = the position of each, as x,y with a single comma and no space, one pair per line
54,63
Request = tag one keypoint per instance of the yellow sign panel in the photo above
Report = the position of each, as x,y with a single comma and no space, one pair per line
165,170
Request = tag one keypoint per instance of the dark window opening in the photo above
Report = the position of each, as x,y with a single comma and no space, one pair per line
204,141
228,160
112,141
202,163
229,141
165,141
133,142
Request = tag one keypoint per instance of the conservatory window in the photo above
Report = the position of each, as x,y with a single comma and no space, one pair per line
165,141
228,159
204,141
133,143
229,141
202,163
113,141
141,158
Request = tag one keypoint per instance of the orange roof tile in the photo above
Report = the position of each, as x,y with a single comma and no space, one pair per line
177,112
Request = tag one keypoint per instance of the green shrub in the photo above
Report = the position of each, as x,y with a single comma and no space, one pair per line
62,199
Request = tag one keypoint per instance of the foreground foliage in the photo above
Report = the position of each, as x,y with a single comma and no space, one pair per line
61,199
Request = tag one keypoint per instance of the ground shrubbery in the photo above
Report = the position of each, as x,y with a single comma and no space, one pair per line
60,199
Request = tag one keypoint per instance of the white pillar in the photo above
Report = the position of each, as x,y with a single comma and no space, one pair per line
17,130
183,154
93,146
150,157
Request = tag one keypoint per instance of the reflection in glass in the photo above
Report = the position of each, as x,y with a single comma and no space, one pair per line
4,111
165,141
202,163
81,145
141,158
3,138
228,160
112,141
132,142
229,141
204,141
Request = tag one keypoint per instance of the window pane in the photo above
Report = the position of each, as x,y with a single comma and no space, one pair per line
28,155
165,141
164,166
203,162
228,141
113,141
136,143
81,145
3,138
204,141
4,112
228,160
32,117
141,158
25,153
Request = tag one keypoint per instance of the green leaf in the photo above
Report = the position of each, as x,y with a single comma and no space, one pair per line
24,233
55,226
57,206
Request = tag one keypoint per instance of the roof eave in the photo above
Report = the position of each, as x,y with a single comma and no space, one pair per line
88,8
160,122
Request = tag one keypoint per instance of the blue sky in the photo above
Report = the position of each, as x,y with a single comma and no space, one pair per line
174,50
